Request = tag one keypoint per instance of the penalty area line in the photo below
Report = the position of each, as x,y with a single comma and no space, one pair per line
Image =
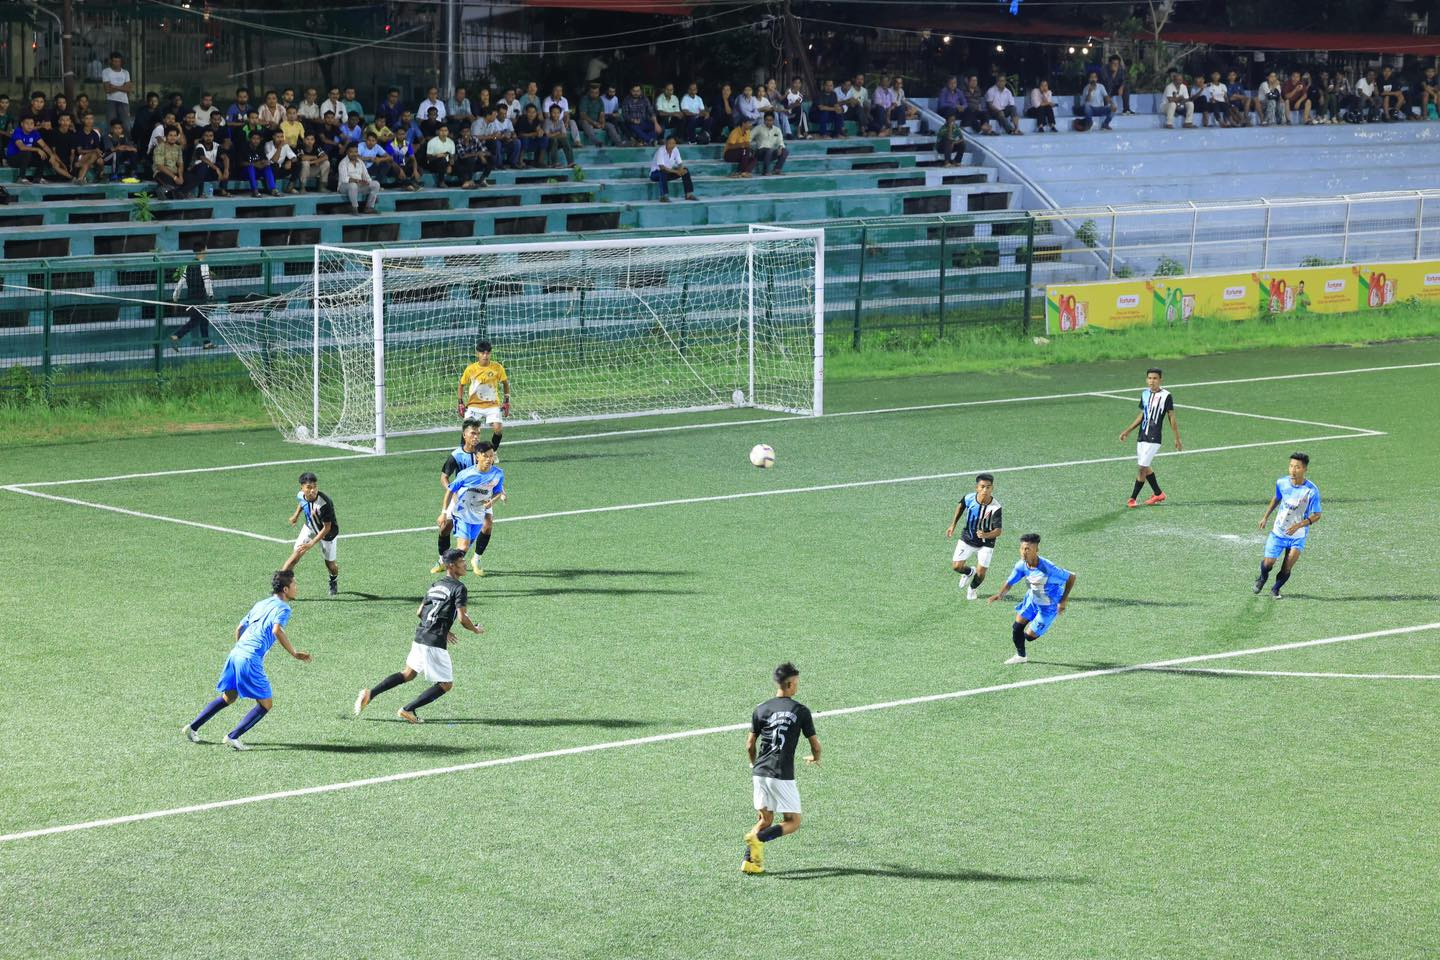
1212,671
690,734
144,516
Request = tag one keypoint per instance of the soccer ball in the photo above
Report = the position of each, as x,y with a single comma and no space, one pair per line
302,432
762,455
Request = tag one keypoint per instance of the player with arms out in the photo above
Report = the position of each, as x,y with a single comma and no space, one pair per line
321,528
244,672
485,393
444,603
775,730
1299,503
1047,596
981,512
471,494
1155,405
462,458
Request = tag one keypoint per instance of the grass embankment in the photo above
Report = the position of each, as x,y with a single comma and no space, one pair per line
882,354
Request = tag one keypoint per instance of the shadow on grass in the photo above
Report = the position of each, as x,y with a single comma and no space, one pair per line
355,596
895,871
1129,602
428,749
1094,524
1093,665
1382,597
590,591
598,723
1250,502
571,573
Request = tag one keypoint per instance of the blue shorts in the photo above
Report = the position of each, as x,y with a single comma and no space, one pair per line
1276,545
246,675
1040,617
469,531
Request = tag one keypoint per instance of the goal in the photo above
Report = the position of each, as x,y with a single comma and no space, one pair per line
587,330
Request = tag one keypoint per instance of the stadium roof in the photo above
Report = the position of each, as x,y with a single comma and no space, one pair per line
657,7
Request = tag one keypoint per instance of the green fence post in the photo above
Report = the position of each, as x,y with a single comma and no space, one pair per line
46,331
859,289
944,237
159,348
267,272
1029,271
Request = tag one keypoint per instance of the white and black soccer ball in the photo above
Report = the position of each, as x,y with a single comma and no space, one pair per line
762,455
302,432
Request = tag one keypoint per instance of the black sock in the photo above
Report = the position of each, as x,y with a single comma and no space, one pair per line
1264,574
979,579
965,572
431,694
773,832
495,440
389,683
1280,579
1139,485
1153,484
444,543
1017,635
481,542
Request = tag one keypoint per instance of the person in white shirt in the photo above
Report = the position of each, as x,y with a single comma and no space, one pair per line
204,109
1217,97
1367,96
440,154
799,124
282,159
309,109
354,181
667,165
667,109
693,113
1177,96
1095,101
1042,107
333,104
432,101
118,87
746,106
1000,104
1271,97
769,145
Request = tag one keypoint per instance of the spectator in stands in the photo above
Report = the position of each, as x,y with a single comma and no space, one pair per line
1367,96
27,152
145,117
41,112
87,149
336,105
287,97
7,123
271,113
167,165
1392,95
907,111
235,114
557,138
667,165
309,110
531,97
950,99
1216,98
429,127
283,160
1271,98
694,115
1323,98
610,110
858,104
205,109
973,112
352,105
797,123
738,150
291,127
1000,103
189,130
206,168
122,159
378,160
314,162
351,131
512,106
1296,94
355,182
1238,100
402,151
849,103
722,113
1177,97
667,109
457,110
482,103
118,87
507,145
882,107
390,109
440,155
1427,95
747,106
530,130
431,102
950,141
639,116
595,126
332,138
768,142
61,141
1117,82
1042,108
828,112
82,107
471,158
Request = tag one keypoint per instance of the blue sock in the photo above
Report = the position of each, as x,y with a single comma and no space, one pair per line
770,833
251,718
212,708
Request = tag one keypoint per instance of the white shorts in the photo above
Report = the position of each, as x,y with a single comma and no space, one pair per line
326,547
490,415
777,796
1145,452
432,663
963,551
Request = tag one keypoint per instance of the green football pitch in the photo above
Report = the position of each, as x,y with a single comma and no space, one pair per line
1184,769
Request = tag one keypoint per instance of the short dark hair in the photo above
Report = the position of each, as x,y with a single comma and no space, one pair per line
784,672
1030,538
985,476
453,555
116,53
308,477
281,579
1154,370
199,245
1302,457
483,346
484,445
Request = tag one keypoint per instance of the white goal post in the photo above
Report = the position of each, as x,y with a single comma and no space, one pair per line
374,345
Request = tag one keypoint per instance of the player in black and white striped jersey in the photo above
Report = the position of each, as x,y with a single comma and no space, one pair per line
1156,404
980,512
462,458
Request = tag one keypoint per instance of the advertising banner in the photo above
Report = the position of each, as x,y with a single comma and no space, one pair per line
1344,288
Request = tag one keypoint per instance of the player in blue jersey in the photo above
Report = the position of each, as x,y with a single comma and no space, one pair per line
461,458
1048,593
981,514
320,530
472,494
244,672
1299,503
1156,405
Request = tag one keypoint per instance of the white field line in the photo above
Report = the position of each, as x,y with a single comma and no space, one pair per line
725,423
1297,673
146,516
689,734
854,484
1361,431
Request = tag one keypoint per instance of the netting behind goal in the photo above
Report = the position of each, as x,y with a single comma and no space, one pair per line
585,331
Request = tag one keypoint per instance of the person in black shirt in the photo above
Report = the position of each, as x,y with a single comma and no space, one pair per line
1155,405
981,514
86,148
321,528
461,458
444,603
775,730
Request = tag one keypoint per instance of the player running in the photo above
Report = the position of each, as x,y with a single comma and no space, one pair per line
430,651
481,397
460,459
472,493
1299,500
1048,594
977,539
1155,405
244,673
775,730
321,528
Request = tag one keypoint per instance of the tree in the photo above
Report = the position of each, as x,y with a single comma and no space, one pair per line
1164,57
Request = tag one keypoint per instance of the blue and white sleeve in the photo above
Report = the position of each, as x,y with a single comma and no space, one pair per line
1017,574
1314,506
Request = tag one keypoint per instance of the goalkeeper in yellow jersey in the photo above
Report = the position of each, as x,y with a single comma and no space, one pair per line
485,393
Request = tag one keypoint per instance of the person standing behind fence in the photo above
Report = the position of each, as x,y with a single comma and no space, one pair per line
118,87
198,292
